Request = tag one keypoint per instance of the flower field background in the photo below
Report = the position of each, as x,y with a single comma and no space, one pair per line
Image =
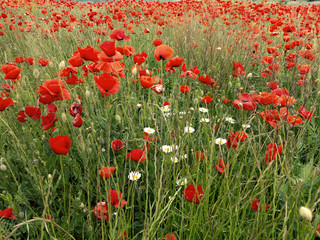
159,120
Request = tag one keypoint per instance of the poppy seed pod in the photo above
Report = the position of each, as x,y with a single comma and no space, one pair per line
305,213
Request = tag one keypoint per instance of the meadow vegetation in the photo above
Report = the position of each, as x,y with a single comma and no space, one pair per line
159,120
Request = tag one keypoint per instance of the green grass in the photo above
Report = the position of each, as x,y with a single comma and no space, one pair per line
38,182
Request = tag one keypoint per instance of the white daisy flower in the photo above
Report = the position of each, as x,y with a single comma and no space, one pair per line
230,120
134,176
221,141
174,159
245,126
175,146
204,120
182,113
166,148
181,182
203,110
165,109
189,129
167,114
149,130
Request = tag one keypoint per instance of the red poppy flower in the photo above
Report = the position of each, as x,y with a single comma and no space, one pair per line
11,71
122,234
60,144
29,60
77,121
200,156
75,109
76,61
51,108
184,89
108,47
238,69
176,61
43,62
117,145
255,205
18,60
140,58
163,52
158,88
157,42
114,199
7,213
52,90
126,50
89,53
107,84
48,121
169,236
137,155
101,207
272,85
221,166
193,72
119,35
5,103
147,81
305,114
273,151
106,172
226,100
192,194
294,120
206,99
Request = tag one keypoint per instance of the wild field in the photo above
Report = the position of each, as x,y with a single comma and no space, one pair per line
159,120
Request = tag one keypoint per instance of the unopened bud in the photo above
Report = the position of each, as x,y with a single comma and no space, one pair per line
305,213
139,105
118,118
36,73
62,65
249,76
49,176
134,70
88,93
3,167
63,117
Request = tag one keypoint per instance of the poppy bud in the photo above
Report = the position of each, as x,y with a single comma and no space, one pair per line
21,214
88,93
305,213
62,65
134,71
191,109
249,76
51,64
63,117
81,205
139,105
230,84
3,167
218,48
36,73
49,176
118,118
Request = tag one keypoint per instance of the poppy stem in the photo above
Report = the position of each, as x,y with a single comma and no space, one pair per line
64,186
